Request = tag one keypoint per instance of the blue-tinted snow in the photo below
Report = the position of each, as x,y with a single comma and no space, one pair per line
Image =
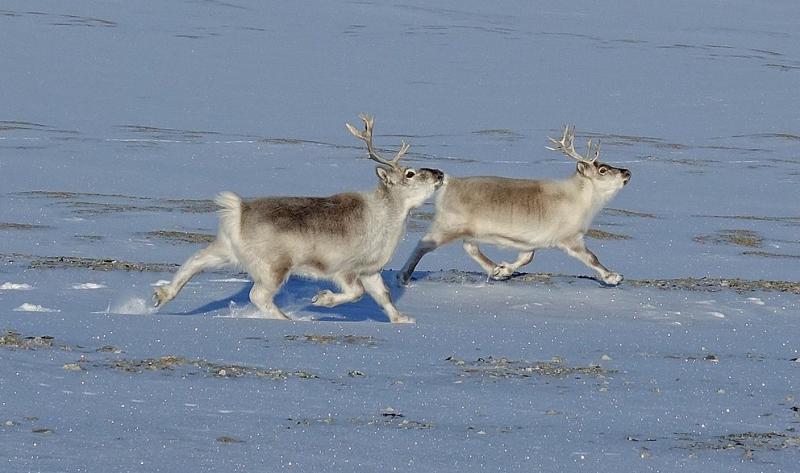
130,116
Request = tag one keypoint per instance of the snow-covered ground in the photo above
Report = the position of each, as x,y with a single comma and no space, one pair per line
119,121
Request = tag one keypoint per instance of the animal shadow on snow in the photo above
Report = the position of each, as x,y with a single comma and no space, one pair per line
295,297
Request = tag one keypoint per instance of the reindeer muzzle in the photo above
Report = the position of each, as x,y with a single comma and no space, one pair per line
437,174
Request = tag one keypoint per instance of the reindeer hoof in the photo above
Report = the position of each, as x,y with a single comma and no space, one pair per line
323,299
613,279
403,319
501,272
403,280
161,296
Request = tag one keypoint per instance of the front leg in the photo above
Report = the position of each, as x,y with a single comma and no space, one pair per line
577,249
505,270
376,288
474,251
425,246
352,290
435,238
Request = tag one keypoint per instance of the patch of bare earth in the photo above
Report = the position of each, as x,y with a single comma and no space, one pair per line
192,367
768,254
95,264
603,235
175,236
15,340
748,443
503,368
746,238
686,284
333,339
387,418
22,226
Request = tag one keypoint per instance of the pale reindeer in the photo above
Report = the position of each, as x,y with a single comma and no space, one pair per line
346,238
524,214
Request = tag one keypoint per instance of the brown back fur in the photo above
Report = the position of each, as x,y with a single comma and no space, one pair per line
334,215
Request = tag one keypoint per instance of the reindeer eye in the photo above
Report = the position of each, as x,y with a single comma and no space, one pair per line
409,174
603,169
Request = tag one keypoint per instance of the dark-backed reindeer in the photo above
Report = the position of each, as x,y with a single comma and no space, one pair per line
346,238
524,214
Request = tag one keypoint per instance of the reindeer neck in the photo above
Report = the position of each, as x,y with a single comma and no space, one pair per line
591,196
391,201
388,208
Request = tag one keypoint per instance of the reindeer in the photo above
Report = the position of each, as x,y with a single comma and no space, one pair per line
524,214
346,238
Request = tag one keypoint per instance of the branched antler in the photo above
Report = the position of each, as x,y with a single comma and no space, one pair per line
366,136
567,146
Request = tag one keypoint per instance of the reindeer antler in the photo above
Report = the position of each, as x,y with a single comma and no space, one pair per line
366,136
567,146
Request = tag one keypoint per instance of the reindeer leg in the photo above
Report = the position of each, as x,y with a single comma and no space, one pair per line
212,256
577,249
376,288
352,290
504,270
265,285
434,239
475,253
425,246
261,296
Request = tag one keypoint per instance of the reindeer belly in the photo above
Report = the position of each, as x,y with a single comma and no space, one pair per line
337,257
522,234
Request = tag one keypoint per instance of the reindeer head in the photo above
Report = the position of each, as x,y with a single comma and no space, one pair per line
606,179
412,186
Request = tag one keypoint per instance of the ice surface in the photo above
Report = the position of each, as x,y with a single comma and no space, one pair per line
119,122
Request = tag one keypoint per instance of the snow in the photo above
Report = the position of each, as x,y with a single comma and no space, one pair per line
10,286
131,306
88,286
28,307
121,120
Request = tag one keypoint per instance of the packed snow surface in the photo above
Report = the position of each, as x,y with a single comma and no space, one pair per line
120,121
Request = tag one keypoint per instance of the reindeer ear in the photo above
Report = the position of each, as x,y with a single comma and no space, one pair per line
383,175
585,169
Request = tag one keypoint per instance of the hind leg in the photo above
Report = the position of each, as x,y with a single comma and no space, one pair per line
352,290
213,256
261,296
265,285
